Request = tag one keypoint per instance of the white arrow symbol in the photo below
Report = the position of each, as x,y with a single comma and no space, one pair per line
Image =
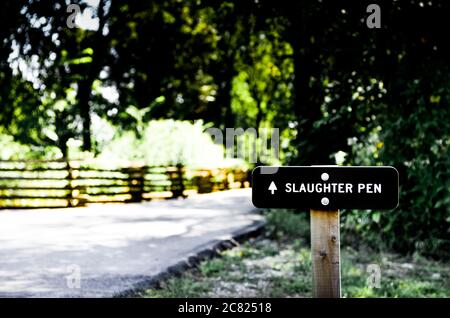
272,187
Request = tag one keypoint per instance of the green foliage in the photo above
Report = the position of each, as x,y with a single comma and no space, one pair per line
265,70
166,142
13,150
266,268
399,276
184,287
415,139
212,267
282,268
9,149
286,224
337,91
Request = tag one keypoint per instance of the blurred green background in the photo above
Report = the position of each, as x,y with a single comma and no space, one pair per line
140,81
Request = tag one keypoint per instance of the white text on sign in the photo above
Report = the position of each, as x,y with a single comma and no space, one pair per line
332,188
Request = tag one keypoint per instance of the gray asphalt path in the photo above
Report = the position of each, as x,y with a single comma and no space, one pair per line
105,250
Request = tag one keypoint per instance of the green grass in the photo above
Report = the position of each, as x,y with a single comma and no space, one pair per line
279,265
400,276
179,287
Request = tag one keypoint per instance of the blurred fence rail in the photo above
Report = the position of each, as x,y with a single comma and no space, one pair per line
61,183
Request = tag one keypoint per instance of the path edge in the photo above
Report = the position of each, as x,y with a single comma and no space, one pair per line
203,252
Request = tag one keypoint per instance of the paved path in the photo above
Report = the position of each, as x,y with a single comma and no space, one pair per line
114,247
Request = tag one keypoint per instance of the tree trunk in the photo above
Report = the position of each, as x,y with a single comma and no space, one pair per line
84,95
85,86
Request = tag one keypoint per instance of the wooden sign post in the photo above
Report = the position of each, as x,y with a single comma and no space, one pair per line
324,190
325,254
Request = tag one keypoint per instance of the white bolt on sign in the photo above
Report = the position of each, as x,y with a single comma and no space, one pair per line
374,279
73,280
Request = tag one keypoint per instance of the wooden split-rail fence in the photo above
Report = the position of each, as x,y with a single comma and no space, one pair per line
62,183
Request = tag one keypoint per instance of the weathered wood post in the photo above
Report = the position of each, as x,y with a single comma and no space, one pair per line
135,182
176,176
325,254
76,193
71,194
203,181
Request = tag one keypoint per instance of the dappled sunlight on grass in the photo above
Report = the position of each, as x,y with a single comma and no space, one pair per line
279,265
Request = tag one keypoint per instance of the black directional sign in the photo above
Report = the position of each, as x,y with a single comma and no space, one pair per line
325,187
